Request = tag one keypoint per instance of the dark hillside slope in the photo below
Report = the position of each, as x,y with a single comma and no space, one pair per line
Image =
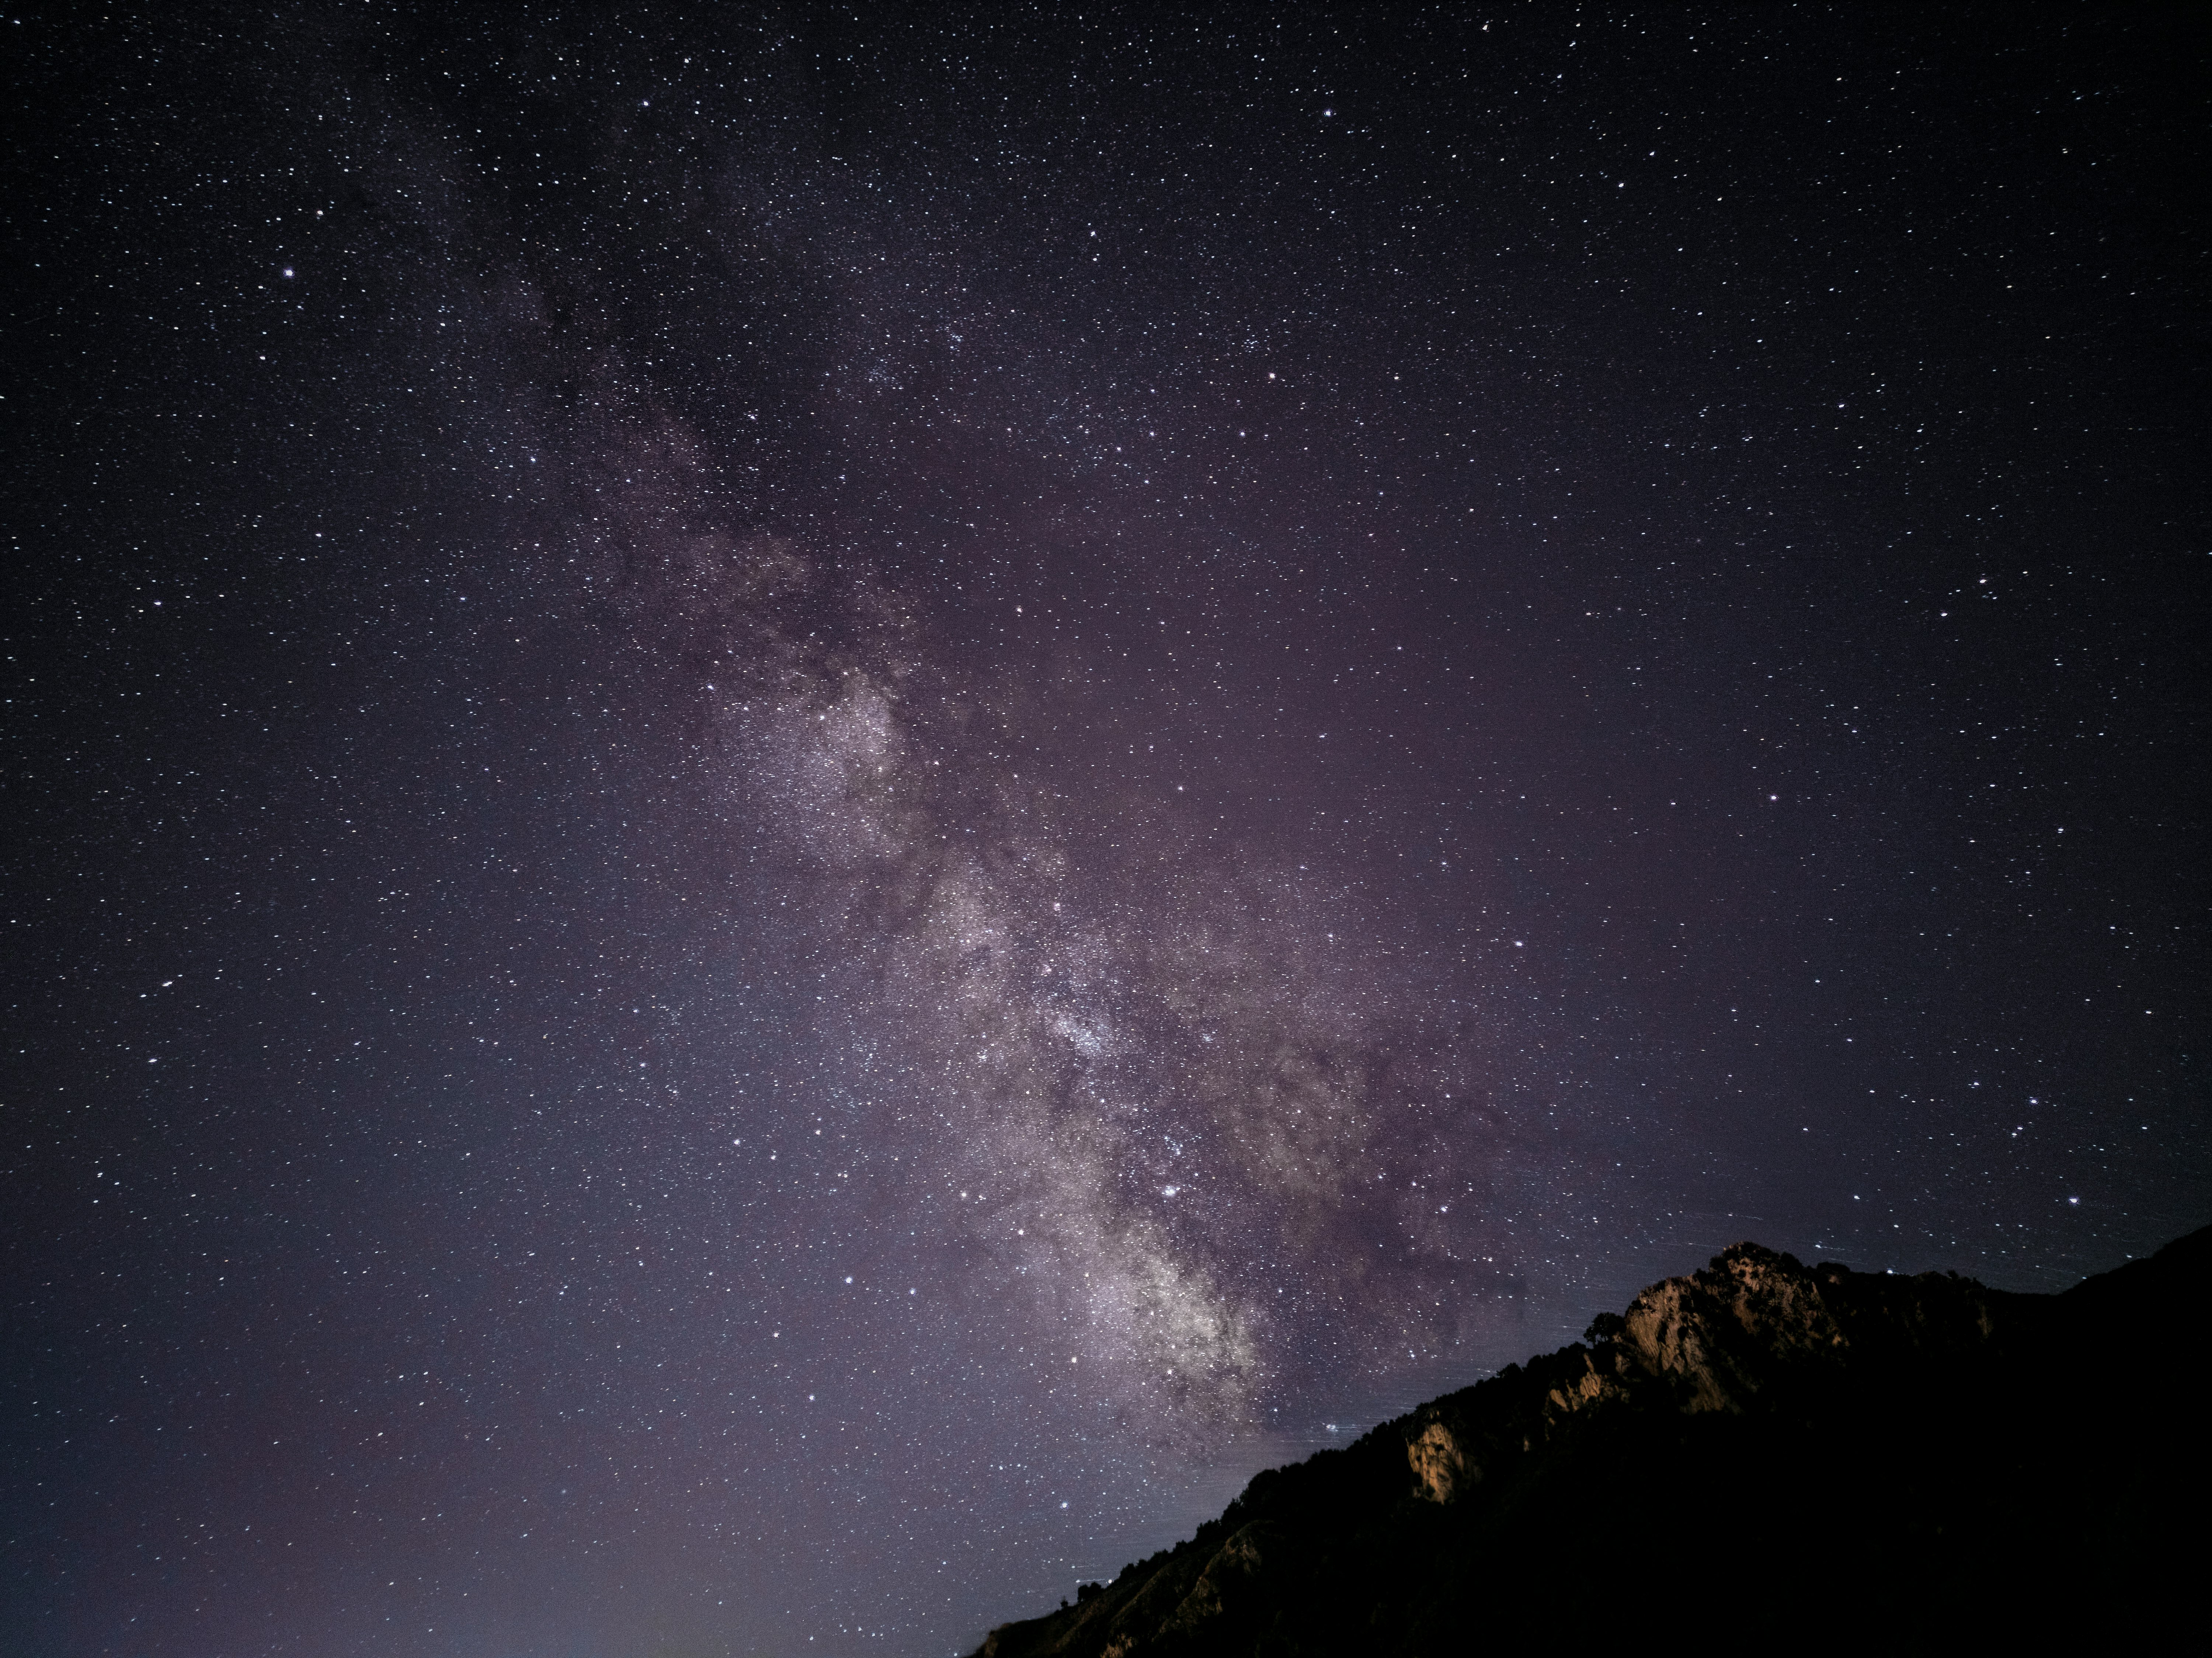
1762,1451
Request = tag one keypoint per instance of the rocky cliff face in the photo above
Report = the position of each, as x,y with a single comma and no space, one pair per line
1725,1340
1959,1454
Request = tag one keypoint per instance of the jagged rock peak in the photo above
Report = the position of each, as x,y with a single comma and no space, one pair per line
1716,1340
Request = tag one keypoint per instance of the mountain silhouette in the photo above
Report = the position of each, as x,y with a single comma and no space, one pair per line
1761,1452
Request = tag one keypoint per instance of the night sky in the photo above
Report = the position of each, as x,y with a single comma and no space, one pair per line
806,808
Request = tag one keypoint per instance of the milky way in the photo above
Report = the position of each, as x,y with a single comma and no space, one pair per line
808,812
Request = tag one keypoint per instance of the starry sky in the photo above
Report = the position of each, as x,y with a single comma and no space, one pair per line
809,806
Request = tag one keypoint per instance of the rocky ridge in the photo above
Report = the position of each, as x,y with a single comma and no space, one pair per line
1923,1427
